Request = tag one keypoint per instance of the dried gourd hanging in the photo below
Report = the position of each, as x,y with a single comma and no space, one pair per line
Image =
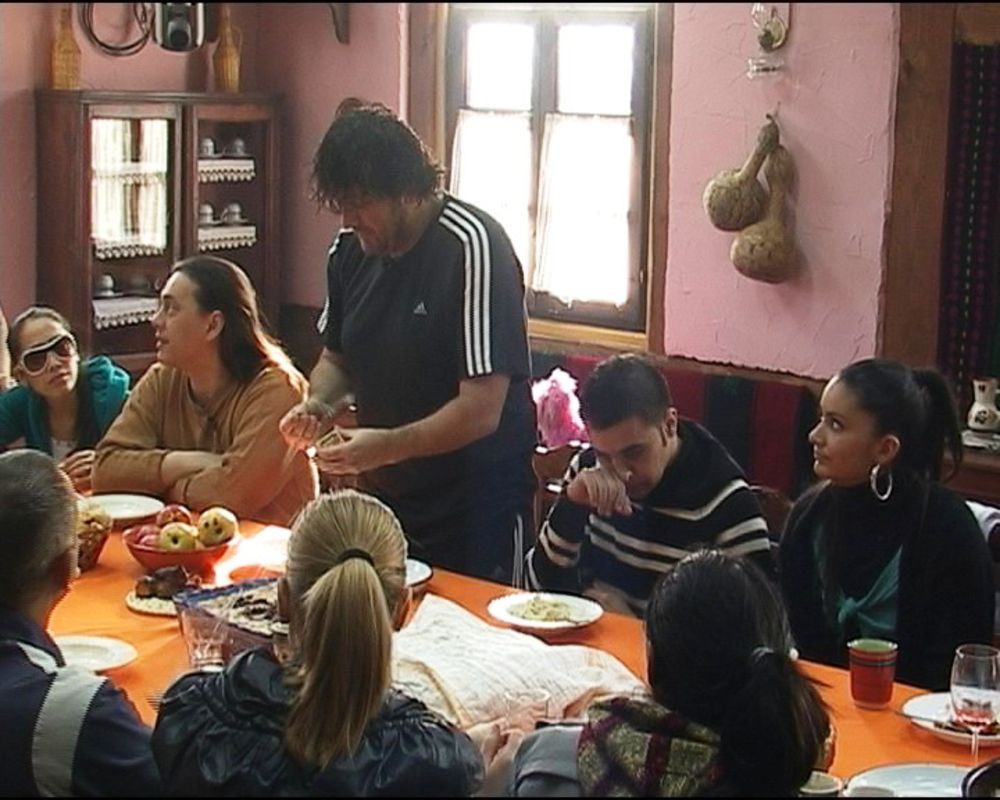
765,251
735,198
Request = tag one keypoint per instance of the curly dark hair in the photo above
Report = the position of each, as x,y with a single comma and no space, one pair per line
369,152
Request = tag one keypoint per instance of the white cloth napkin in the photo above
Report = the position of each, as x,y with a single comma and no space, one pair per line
988,517
464,668
113,313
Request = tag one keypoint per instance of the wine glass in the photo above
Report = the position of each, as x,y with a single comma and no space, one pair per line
975,689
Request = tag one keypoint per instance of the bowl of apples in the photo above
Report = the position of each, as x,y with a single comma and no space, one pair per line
176,540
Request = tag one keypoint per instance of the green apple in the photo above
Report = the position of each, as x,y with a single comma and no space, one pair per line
216,525
178,536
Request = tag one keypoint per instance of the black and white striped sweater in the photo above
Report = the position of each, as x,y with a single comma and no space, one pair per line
701,501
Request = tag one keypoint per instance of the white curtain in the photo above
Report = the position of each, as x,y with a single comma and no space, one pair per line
129,188
584,188
491,168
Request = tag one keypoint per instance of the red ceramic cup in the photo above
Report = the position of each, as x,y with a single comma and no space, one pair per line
873,670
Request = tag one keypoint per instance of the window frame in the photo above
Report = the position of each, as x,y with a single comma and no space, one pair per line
630,322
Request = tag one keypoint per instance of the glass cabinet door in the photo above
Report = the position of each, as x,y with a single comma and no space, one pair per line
130,198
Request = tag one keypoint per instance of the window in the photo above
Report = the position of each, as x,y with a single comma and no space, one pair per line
548,122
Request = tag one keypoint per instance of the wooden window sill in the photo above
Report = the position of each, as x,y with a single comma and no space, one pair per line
587,335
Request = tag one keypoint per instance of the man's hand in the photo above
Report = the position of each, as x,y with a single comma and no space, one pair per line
78,467
361,450
601,490
302,424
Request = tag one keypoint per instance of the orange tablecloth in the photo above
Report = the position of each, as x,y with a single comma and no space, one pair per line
95,606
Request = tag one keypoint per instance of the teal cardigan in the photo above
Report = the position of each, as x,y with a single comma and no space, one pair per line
23,412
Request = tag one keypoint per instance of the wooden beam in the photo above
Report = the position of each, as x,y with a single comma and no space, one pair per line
977,23
908,327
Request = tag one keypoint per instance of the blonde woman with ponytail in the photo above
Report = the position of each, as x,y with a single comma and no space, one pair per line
328,722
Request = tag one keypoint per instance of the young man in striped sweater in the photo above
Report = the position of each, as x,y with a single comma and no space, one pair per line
652,488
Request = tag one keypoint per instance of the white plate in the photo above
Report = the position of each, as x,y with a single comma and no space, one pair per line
582,611
97,653
937,705
128,508
417,572
911,780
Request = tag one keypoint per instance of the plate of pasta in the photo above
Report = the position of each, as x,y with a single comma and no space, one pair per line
544,611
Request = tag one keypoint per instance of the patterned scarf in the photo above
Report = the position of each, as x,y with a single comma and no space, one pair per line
634,747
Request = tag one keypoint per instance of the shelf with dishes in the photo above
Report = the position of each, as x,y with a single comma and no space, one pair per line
232,164
230,231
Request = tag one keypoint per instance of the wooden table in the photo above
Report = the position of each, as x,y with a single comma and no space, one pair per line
95,606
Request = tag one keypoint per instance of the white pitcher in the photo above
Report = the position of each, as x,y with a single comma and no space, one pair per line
983,414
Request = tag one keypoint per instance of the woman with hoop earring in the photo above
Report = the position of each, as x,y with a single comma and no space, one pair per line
880,548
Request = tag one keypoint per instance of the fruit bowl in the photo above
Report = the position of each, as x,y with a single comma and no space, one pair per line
201,561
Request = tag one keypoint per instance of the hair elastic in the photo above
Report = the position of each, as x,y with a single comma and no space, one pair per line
353,552
760,653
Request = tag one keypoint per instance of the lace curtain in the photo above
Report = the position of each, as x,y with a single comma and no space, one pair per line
129,187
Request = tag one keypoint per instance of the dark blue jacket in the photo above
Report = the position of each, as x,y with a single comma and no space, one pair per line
64,730
223,735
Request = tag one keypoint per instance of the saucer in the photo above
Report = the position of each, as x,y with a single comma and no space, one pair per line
240,221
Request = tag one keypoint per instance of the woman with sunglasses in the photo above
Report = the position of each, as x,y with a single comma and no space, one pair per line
61,406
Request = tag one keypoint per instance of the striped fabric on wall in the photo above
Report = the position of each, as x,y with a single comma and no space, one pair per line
969,337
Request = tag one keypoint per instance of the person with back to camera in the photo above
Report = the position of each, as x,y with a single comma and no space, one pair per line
425,324
651,488
200,428
59,405
64,731
879,548
729,712
328,723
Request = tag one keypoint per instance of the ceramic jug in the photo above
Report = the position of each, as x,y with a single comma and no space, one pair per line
983,415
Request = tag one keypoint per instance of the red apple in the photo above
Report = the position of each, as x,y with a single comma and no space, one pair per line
174,512
148,535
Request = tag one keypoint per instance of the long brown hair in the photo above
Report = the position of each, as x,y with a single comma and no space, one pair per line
346,576
245,346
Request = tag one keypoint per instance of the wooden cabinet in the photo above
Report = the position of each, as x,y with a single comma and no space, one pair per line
129,183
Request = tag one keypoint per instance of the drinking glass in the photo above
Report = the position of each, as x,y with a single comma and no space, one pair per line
975,689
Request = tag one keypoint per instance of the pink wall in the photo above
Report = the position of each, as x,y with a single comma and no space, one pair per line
302,59
837,104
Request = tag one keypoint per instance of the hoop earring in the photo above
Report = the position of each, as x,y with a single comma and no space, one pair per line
874,484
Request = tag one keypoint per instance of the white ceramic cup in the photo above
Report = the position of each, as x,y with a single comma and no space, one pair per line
206,147
822,784
233,212
206,214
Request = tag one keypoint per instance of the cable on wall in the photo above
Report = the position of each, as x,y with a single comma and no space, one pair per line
142,16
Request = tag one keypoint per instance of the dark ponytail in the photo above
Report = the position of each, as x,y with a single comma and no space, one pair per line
943,429
774,727
719,644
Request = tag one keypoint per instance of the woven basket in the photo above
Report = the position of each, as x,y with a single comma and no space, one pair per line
91,545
